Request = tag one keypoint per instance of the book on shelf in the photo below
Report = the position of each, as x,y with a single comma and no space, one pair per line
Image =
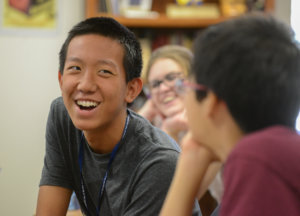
234,8
137,9
128,8
113,7
203,11
138,13
109,6
102,6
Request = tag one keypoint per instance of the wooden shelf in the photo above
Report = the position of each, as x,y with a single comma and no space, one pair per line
162,21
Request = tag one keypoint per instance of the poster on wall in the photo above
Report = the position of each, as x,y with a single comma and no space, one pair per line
29,16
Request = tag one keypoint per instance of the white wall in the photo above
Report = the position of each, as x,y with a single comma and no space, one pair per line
28,83
283,10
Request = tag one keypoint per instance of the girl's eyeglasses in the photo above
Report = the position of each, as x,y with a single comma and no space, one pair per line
168,80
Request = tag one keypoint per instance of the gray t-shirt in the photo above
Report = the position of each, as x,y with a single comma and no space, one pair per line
139,176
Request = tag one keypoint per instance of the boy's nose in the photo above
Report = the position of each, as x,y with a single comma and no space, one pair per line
87,82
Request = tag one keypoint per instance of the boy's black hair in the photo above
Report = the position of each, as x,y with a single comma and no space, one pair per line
252,63
108,27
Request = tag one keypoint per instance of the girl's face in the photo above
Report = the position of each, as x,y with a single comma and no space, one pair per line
162,77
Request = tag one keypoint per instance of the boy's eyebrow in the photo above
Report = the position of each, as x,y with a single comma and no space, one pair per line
75,59
102,61
107,62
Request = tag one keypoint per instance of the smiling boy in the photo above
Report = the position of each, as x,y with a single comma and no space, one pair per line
116,161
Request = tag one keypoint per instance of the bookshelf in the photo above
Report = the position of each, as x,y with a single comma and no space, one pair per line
161,30
162,21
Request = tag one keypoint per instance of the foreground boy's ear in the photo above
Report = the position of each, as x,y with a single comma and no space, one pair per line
134,88
214,104
217,109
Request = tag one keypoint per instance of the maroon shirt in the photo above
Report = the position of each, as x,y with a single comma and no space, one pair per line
262,175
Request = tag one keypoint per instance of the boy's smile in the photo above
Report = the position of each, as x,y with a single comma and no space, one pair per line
93,83
86,104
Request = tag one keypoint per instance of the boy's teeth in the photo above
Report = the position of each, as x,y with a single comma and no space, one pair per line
87,103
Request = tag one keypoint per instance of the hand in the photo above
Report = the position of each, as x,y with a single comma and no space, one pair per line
192,165
149,110
199,156
175,124
195,155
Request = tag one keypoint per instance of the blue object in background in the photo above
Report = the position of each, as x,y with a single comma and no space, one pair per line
74,204
298,123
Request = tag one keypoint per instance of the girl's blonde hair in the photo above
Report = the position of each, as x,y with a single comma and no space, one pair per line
180,54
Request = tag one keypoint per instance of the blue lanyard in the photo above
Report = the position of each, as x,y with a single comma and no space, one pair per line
112,156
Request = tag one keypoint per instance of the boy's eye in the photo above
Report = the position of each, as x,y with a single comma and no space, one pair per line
105,72
74,68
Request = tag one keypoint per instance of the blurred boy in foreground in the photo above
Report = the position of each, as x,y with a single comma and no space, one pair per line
242,101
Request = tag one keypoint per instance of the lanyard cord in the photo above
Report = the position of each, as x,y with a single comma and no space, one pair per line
112,156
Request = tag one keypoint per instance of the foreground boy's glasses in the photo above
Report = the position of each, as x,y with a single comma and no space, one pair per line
182,85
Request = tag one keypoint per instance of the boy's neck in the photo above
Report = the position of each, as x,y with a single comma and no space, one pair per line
228,138
104,140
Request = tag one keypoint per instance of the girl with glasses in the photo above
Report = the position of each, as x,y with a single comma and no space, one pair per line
164,107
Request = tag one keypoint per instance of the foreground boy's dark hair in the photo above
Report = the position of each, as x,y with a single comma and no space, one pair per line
110,28
253,65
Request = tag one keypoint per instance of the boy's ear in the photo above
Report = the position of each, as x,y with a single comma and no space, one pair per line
134,88
216,108
213,104
60,79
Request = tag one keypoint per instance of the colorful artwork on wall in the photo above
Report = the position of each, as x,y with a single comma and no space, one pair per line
29,15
